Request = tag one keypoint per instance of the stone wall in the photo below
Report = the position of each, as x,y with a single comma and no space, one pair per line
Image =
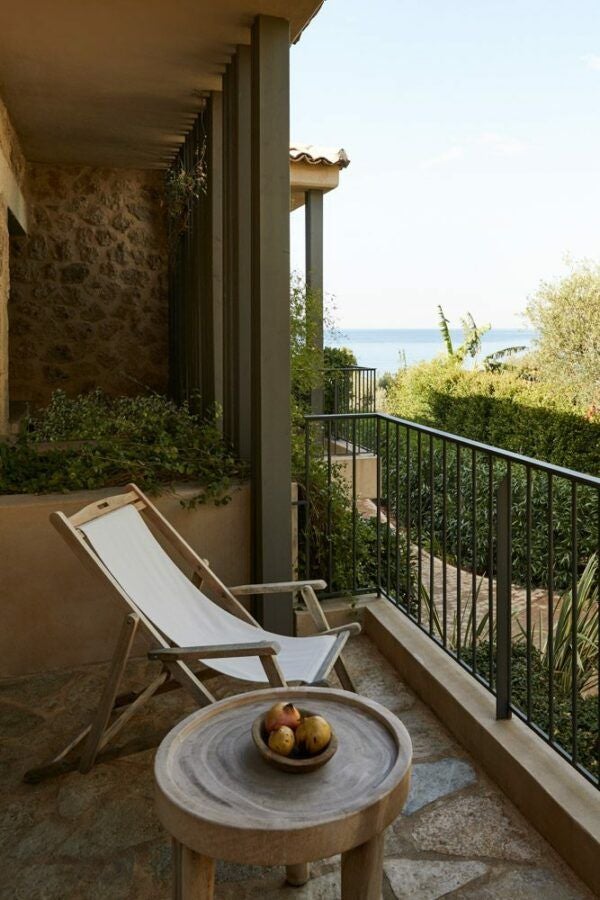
88,304
12,170
10,147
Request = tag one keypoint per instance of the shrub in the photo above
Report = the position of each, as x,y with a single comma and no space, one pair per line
566,315
436,512
338,544
103,441
562,717
339,358
511,408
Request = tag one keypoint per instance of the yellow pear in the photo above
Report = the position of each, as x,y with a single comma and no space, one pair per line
282,740
313,734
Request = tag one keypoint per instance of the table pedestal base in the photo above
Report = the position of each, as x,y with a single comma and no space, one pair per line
362,872
194,875
297,875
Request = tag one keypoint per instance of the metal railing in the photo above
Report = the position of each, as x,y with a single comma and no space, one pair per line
350,389
492,554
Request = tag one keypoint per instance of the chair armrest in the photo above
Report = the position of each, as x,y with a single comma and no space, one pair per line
351,628
216,651
283,587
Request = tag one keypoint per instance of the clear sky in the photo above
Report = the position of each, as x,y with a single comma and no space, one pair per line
473,129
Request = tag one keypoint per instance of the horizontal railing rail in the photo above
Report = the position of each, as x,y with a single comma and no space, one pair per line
492,553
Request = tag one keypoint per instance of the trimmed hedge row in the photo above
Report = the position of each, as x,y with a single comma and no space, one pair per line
508,409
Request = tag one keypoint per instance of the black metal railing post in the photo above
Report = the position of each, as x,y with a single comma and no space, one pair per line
503,598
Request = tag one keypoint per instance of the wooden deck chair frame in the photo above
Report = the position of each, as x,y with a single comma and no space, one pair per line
115,710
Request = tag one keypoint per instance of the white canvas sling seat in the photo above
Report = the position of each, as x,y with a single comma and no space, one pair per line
181,612
196,627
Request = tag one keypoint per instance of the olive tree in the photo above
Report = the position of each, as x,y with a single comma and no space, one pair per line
566,315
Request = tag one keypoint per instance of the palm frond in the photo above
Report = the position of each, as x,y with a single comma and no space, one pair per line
494,361
473,333
444,324
584,656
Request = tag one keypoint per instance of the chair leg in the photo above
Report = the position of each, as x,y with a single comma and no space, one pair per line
129,711
320,619
273,671
107,700
342,673
56,764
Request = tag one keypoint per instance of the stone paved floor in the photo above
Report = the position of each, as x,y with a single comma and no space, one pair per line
95,836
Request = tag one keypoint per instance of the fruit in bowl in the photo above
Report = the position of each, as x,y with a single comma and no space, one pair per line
282,714
293,739
282,740
313,734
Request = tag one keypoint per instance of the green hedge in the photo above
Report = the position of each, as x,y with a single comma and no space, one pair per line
505,409
508,409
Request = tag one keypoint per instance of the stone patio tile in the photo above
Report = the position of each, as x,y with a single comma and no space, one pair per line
432,780
429,738
428,879
29,688
475,825
325,887
152,876
115,880
49,881
16,721
234,872
375,678
525,883
96,837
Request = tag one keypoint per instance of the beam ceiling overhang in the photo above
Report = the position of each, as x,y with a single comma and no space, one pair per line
119,82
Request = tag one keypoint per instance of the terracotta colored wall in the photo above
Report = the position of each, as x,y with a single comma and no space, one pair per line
88,304
54,613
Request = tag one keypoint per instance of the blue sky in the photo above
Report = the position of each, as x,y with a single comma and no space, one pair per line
473,130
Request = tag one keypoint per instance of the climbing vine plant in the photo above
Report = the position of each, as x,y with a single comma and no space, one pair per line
184,185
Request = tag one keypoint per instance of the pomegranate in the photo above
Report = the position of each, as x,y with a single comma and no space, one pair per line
282,714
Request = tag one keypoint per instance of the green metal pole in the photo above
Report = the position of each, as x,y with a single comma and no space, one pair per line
314,281
270,196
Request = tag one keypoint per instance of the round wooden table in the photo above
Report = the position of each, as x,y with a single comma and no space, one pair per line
219,799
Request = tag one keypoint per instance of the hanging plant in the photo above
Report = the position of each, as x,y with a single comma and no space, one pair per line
184,186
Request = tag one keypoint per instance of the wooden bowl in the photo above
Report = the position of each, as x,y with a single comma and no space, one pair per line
296,764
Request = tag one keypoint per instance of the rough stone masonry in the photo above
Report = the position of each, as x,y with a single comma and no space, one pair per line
88,284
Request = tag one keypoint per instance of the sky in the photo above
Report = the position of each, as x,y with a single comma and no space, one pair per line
473,130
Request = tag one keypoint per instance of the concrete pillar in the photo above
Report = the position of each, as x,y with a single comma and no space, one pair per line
270,249
314,279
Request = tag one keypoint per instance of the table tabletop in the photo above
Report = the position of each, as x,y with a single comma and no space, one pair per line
217,795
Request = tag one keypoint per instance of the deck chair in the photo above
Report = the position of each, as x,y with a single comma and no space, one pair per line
186,627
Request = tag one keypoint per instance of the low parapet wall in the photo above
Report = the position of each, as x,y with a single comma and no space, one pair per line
557,801
53,613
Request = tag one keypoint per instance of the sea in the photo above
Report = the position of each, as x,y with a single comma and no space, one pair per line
388,349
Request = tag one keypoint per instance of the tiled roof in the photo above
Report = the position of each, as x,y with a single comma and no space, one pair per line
319,156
